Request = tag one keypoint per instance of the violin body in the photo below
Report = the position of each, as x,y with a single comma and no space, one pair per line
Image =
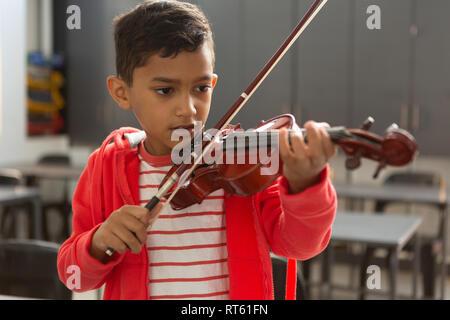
238,175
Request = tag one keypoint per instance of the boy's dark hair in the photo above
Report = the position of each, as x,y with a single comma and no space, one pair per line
166,27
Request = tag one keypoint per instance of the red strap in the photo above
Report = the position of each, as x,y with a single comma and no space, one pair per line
291,279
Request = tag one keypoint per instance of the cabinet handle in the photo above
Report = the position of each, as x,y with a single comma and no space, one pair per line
414,30
415,123
298,114
404,116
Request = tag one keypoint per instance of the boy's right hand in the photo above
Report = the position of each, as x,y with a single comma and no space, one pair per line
124,229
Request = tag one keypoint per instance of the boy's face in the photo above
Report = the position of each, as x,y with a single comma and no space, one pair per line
169,93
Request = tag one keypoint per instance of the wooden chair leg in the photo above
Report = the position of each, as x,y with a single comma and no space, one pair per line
66,211
367,255
393,270
9,223
4,222
29,209
302,293
306,268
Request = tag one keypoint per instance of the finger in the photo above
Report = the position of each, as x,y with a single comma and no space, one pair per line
139,212
115,243
136,226
128,238
329,147
152,215
315,143
284,147
323,125
299,146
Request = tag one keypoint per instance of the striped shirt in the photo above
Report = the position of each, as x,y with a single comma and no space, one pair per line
187,248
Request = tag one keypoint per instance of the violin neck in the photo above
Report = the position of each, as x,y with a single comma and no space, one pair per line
255,139
335,133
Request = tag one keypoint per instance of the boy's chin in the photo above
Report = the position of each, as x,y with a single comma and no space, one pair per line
174,144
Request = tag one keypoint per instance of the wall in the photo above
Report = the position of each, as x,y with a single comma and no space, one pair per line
12,140
1,75
19,17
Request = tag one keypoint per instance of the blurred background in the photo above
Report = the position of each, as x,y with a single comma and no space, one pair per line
386,59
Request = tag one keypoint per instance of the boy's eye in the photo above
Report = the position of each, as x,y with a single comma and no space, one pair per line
164,91
203,88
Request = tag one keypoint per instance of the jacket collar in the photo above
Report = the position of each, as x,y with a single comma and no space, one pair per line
125,162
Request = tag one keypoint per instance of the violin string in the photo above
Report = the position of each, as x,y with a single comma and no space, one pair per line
229,142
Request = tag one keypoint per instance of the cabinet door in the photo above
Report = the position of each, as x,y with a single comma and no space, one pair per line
324,53
85,75
431,109
92,113
266,24
114,116
225,18
382,64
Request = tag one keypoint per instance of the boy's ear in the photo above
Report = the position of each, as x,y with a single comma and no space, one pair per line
214,80
118,89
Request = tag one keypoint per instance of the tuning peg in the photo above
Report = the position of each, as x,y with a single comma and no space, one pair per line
354,161
380,167
392,127
367,124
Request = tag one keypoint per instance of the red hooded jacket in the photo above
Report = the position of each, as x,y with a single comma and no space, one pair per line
297,226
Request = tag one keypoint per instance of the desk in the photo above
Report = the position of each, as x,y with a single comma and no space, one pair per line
34,172
6,297
51,171
407,194
378,231
15,195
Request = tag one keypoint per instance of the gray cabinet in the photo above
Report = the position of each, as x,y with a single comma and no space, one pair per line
265,25
89,53
226,25
338,71
382,65
114,116
430,112
323,89
83,51
402,72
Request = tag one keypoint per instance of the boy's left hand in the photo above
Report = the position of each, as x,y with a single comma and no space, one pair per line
302,163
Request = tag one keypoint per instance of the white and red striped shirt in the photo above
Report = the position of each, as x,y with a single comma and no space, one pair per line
186,248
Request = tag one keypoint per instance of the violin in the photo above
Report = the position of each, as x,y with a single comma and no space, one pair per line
252,174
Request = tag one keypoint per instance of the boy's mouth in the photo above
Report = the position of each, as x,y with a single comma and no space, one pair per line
189,127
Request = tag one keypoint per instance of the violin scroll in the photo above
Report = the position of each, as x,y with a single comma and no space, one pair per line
397,147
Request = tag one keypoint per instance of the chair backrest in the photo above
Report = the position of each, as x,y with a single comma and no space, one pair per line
418,178
279,267
11,177
415,178
28,269
58,159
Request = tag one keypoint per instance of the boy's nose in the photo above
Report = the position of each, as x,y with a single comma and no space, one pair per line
186,107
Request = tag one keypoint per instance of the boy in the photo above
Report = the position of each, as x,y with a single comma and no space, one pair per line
218,249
